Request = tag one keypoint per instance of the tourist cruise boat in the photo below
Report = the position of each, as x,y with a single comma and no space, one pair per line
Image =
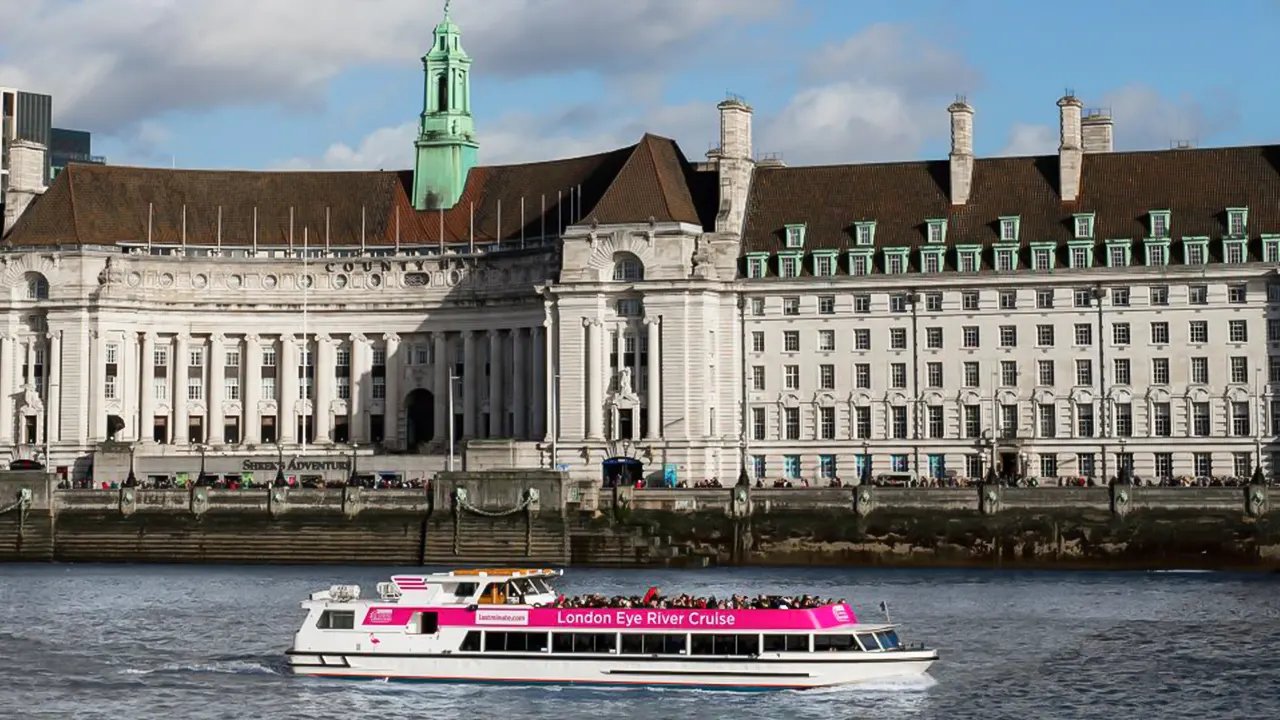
506,626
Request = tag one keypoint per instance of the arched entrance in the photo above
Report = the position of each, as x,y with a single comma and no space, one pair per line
420,415
624,471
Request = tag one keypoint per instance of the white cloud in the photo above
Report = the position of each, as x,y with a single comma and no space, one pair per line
1027,139
1144,120
882,95
113,63
525,138
879,95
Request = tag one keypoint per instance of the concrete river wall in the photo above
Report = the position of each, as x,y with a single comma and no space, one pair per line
540,518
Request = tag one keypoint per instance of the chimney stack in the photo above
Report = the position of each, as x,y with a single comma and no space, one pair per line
961,151
26,180
733,160
1070,152
1096,132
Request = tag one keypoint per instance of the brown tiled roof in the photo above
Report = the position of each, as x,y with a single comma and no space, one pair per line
652,184
107,205
1197,186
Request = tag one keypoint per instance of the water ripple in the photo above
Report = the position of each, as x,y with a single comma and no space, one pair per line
206,643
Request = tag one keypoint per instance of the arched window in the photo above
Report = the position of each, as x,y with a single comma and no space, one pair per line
37,287
627,267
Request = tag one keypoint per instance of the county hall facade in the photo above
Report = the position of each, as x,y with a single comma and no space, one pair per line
1050,317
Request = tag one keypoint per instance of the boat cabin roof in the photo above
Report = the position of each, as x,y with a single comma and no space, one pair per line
416,582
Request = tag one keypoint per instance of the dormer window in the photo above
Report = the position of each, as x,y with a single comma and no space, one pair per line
795,236
1159,223
1084,226
1009,229
864,234
937,230
1237,221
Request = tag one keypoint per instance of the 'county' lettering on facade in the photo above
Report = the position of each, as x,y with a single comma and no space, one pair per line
645,618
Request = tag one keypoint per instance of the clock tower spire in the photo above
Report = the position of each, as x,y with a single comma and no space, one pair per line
446,146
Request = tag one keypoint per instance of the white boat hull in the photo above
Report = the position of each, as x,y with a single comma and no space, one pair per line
765,673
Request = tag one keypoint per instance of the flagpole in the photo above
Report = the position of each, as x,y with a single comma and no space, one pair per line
306,342
522,222
471,233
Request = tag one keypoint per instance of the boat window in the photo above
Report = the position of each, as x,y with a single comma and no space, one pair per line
868,642
725,644
337,620
786,643
465,590
834,643
584,642
653,644
540,586
430,623
515,642
889,640
494,594
471,643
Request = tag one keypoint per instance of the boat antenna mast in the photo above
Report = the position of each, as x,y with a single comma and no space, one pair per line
884,608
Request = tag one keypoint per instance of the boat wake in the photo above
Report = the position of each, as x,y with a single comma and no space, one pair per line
227,665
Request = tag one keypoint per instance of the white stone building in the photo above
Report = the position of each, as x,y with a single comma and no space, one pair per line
1053,316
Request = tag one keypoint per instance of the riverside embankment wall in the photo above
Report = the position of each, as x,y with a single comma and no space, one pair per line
539,517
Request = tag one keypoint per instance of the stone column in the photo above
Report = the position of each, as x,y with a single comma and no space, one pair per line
496,409
178,366
653,379
326,363
469,379
213,418
7,421
360,382
441,385
595,378
53,390
146,388
391,412
250,418
519,428
98,387
542,382
287,384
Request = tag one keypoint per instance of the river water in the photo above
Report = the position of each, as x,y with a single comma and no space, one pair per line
144,642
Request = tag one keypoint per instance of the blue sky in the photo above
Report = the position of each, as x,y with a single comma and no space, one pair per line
320,84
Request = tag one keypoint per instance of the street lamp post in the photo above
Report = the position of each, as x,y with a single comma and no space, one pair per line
279,482
452,379
132,479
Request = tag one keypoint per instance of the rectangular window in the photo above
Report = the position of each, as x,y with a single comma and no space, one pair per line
161,357
1085,463
1124,419
862,339
1044,336
1008,373
971,374
109,387
824,265
1083,298
898,376
790,306
969,300
1048,420
1122,374
196,357
1045,375
898,303
970,335
1120,334
1239,369
862,376
1159,295
933,374
1200,370
1201,421
1048,465
933,302
379,387
791,422
1238,331
791,341
789,266
1160,371
1162,419
195,389
1084,334
1159,333
826,340
1198,294
791,377
826,377
231,388
827,423
1044,299
757,377
757,306
826,305
1008,336
1240,425
1198,331
897,338
972,421
937,426
1084,420
862,422
1084,371
933,338
862,304
758,424
757,341
1120,297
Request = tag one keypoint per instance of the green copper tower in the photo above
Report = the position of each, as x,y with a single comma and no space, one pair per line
446,144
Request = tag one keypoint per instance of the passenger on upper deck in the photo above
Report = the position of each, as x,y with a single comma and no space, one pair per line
737,602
